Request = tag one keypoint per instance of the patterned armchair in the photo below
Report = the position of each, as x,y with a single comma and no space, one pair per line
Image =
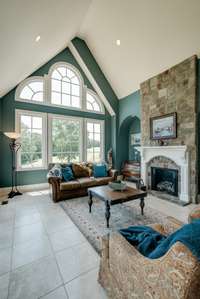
127,274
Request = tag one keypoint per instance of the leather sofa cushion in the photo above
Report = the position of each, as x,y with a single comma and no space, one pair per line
87,182
81,170
71,185
103,180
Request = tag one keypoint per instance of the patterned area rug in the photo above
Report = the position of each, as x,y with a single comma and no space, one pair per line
93,225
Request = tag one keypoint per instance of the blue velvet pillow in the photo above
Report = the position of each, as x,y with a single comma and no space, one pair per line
67,174
99,171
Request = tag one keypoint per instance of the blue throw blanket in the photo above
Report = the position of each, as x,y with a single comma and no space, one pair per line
153,245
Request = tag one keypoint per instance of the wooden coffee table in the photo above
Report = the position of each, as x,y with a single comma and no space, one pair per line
111,197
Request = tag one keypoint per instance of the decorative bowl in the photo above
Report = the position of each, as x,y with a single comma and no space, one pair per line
117,186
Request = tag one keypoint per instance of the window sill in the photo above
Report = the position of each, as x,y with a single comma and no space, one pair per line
31,169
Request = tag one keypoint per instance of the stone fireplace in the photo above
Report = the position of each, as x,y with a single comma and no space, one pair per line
172,91
173,158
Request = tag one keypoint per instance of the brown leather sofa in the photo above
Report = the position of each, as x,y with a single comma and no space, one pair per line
61,190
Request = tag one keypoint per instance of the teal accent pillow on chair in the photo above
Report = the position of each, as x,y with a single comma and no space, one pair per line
99,171
67,174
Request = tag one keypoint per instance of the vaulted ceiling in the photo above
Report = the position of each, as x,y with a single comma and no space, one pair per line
154,36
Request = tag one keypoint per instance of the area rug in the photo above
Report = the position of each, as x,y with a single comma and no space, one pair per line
93,225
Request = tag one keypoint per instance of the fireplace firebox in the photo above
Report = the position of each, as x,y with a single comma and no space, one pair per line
164,180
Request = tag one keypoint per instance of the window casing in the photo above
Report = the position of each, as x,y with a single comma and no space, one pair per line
65,139
62,87
33,151
93,104
94,140
70,139
31,90
65,87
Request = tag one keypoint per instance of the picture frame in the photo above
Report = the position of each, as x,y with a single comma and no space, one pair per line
136,139
163,127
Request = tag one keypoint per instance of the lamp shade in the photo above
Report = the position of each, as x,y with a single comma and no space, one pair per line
12,135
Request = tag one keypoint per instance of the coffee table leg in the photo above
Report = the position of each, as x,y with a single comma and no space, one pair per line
90,202
107,213
142,205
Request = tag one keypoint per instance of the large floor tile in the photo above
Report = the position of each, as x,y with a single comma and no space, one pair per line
4,282
77,260
34,280
86,286
21,220
30,251
55,223
28,232
5,260
7,214
59,293
66,238
6,237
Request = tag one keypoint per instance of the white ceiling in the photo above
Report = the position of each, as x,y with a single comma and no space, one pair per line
154,34
21,21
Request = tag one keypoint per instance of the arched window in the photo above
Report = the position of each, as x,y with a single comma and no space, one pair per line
65,86
32,89
93,103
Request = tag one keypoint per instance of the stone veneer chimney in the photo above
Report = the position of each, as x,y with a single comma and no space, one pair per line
174,90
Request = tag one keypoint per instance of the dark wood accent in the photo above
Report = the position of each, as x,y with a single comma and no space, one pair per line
111,197
131,170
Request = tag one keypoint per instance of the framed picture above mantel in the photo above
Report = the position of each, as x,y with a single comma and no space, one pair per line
163,127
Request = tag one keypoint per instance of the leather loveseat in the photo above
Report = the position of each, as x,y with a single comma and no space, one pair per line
61,190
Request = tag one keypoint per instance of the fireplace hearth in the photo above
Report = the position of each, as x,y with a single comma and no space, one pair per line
164,180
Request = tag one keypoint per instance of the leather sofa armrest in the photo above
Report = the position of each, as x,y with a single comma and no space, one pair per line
113,173
55,183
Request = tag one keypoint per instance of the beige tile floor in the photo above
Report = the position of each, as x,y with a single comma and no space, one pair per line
44,255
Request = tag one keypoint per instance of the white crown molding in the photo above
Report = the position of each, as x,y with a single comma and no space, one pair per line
91,78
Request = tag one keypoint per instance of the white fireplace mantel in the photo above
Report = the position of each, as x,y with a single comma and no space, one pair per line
177,153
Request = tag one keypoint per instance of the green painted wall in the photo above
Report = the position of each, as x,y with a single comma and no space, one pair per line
129,114
8,106
133,154
107,90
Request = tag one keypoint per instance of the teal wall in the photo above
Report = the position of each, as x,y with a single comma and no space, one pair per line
105,87
129,121
8,106
133,154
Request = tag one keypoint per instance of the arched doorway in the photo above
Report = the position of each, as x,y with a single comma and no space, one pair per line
127,148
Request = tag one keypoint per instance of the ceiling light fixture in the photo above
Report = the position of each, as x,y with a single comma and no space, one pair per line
118,42
37,38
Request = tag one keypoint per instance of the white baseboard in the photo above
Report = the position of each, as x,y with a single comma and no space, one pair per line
25,188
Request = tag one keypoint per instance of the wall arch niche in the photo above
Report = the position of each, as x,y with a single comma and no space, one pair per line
127,151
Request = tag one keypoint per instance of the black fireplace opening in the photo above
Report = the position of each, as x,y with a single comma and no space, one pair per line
164,180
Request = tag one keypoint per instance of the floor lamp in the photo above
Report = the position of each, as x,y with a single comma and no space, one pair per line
14,147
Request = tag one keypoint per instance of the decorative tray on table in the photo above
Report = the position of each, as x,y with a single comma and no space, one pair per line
117,185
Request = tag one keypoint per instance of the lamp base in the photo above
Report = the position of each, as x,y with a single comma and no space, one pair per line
14,193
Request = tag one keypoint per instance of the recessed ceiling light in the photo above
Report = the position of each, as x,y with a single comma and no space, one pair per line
37,38
118,42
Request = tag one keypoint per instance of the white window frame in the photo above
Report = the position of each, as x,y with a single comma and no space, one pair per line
18,114
47,90
26,82
92,93
64,117
102,134
77,73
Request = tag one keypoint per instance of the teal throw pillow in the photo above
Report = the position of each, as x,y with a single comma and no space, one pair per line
99,171
67,174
